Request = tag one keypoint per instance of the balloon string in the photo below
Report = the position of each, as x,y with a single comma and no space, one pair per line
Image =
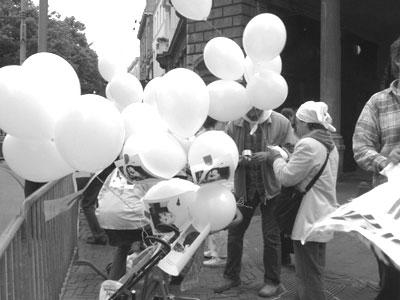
215,28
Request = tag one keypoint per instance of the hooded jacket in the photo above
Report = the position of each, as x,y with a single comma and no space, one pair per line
305,162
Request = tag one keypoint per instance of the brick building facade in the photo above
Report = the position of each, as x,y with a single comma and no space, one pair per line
336,51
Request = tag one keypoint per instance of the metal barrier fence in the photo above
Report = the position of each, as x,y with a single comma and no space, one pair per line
2,136
38,247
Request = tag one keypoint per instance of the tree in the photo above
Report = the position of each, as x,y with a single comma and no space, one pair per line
66,38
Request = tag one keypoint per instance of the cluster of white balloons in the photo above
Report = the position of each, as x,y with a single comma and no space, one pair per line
263,39
53,130
214,203
210,204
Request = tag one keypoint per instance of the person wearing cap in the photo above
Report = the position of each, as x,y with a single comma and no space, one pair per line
255,185
376,144
313,127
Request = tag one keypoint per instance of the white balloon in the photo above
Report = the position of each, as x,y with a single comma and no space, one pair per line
54,79
264,37
110,66
22,112
54,74
151,91
215,143
170,188
108,95
267,90
125,88
228,100
251,68
185,142
224,58
183,102
90,135
141,117
118,106
214,205
193,9
34,160
161,155
177,194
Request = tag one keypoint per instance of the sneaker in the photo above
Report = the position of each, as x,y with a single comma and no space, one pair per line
102,240
207,254
227,285
214,262
270,290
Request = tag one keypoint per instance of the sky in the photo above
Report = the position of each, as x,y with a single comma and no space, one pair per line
110,25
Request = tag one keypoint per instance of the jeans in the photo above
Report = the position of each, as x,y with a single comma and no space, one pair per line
271,238
390,282
310,264
118,267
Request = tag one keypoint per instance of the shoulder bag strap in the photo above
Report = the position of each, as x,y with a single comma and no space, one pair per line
309,186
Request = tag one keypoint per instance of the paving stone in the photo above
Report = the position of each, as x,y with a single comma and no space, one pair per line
83,283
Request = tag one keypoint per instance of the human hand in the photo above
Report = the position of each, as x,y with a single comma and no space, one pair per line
244,160
259,157
394,156
275,151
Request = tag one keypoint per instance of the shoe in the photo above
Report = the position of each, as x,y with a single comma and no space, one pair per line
102,240
207,254
176,280
227,285
269,290
214,262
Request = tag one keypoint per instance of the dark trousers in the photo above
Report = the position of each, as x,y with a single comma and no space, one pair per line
89,201
286,247
390,282
271,238
118,267
310,264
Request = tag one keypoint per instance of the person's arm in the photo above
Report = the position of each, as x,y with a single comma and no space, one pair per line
298,167
366,141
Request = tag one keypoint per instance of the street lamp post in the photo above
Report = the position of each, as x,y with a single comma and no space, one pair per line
22,36
43,20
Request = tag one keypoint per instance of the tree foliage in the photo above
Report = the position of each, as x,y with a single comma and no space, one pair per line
66,38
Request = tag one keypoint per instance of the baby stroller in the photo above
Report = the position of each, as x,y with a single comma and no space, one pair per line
155,283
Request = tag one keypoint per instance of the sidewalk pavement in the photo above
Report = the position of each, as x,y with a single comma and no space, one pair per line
351,271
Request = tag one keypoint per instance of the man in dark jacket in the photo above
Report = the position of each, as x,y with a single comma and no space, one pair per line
255,184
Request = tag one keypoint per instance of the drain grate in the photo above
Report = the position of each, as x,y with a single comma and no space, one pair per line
332,289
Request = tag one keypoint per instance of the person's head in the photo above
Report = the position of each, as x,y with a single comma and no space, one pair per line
288,113
395,58
254,113
312,116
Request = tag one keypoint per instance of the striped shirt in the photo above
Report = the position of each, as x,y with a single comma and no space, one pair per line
377,130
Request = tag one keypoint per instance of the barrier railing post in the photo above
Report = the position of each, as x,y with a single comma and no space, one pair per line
37,248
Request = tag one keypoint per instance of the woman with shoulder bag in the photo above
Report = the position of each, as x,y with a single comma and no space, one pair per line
312,169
